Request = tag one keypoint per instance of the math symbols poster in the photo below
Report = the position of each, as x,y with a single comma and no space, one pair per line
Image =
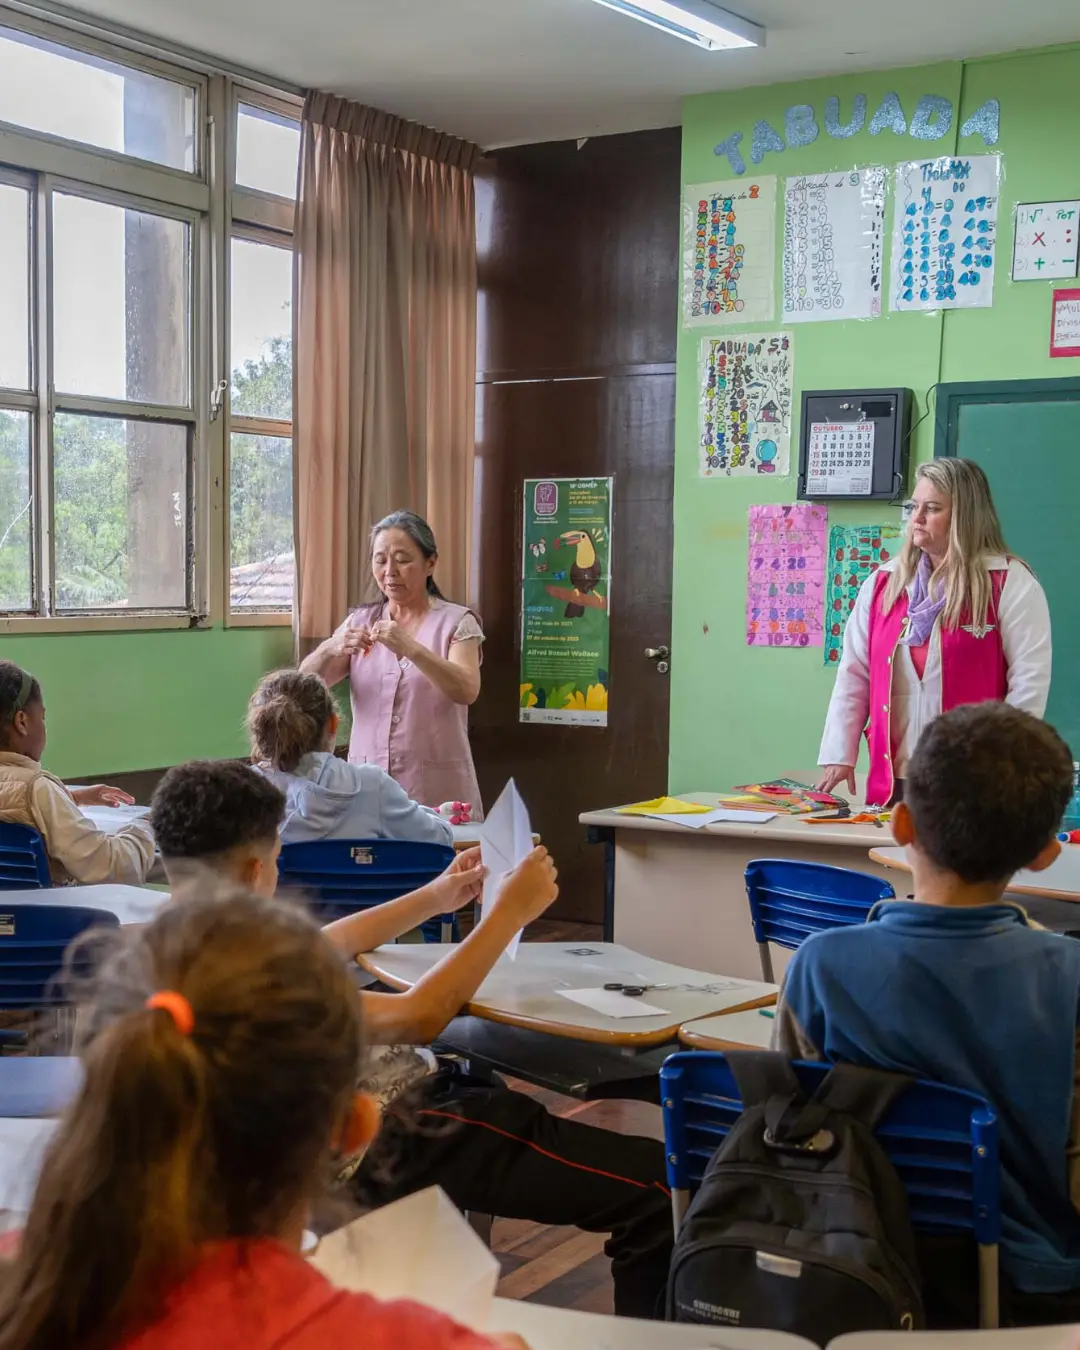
1045,242
744,415
785,575
945,233
854,552
834,224
729,241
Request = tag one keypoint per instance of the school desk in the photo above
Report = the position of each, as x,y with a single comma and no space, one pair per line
23,1140
678,894
468,836
524,993
130,904
544,1328
747,1030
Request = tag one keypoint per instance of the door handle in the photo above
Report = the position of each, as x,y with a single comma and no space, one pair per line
658,653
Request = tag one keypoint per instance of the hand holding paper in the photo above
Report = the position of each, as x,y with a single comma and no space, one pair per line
520,879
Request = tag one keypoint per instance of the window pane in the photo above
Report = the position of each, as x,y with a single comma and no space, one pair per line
261,333
261,522
121,287
267,151
15,573
14,287
63,92
121,511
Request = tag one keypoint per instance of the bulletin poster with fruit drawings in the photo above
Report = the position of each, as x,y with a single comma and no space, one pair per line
854,552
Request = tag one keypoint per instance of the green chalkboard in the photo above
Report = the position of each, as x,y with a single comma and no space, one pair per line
1026,436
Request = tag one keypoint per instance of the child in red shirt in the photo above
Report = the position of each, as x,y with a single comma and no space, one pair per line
221,1051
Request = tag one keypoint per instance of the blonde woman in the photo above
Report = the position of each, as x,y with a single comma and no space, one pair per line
954,619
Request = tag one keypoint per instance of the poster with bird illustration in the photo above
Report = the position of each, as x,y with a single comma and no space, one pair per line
565,601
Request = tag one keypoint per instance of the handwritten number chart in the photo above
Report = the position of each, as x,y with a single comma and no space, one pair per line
833,229
729,238
840,459
785,576
945,233
744,412
854,552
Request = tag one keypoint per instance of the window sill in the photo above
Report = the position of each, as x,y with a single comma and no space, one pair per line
100,623
259,619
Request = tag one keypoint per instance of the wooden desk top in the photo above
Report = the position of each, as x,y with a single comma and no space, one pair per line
1060,881
522,993
130,904
747,1030
790,829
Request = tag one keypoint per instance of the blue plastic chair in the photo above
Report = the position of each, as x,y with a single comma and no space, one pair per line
942,1141
24,865
38,1086
789,900
345,875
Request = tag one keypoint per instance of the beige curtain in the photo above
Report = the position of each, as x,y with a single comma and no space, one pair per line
385,349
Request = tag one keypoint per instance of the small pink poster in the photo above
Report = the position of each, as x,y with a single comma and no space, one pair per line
785,581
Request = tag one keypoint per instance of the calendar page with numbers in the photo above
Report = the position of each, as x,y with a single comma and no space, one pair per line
840,460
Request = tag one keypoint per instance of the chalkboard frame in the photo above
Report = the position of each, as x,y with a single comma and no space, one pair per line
952,398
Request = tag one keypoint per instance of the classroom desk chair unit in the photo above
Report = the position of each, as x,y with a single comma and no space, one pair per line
24,865
789,900
942,1141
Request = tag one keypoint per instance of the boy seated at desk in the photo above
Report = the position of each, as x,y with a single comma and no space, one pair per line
957,986
494,1151
29,795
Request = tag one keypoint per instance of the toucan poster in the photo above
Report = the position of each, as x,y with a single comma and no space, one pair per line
565,601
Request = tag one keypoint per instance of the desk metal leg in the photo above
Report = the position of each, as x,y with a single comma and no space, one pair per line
602,834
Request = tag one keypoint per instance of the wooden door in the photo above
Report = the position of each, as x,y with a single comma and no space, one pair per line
578,251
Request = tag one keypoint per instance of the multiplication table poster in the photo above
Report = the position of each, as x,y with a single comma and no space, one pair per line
729,242
785,575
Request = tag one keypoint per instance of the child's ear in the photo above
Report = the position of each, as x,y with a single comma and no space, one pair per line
903,829
360,1126
1049,854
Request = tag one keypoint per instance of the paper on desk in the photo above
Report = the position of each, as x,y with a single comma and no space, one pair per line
418,1248
613,1004
506,839
698,822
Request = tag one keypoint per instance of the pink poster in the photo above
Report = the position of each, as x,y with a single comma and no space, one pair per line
785,580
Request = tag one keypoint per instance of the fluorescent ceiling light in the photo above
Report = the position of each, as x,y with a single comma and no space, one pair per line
697,21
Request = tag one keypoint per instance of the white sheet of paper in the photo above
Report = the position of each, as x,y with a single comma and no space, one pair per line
110,819
418,1248
722,814
506,839
612,1004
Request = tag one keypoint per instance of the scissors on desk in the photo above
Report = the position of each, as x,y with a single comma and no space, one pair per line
878,818
630,990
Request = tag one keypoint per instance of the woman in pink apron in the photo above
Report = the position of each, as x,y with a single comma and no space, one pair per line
954,619
413,661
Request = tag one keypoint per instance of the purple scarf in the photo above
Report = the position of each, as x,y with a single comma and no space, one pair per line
923,608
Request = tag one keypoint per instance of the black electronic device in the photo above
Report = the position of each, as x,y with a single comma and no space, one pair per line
854,444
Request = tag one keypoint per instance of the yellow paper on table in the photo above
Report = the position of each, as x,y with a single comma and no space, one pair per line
664,806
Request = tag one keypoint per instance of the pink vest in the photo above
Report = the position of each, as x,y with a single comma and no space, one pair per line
406,725
972,671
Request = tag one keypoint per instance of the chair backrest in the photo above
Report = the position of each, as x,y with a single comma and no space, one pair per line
33,940
345,875
24,864
942,1140
38,1085
789,900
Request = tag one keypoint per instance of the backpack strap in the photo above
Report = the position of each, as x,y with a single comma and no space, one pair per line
866,1094
766,1079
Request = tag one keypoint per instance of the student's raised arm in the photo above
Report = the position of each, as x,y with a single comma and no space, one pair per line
91,856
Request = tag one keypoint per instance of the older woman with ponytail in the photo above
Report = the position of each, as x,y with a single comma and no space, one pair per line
413,662
954,619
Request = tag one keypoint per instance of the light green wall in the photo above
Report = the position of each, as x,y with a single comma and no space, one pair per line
739,712
124,701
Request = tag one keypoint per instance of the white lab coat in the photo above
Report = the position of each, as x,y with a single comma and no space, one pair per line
1024,622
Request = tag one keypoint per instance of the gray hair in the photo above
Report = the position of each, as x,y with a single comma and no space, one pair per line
419,531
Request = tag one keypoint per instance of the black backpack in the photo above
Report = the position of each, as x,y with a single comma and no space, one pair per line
801,1222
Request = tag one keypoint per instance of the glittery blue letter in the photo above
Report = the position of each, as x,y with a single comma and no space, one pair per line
933,118
730,147
984,122
852,128
800,126
765,139
889,117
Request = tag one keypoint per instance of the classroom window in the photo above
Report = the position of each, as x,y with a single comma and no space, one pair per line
260,422
14,287
55,90
16,556
267,151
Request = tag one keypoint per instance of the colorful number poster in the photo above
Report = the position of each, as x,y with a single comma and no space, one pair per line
745,405
1045,241
854,552
785,576
729,242
840,459
565,601
945,233
834,226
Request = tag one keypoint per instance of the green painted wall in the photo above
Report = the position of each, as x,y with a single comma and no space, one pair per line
118,702
739,712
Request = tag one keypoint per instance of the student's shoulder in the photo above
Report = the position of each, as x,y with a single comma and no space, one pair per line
836,948
398,1325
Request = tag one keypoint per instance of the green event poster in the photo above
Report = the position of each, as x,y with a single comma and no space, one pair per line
565,595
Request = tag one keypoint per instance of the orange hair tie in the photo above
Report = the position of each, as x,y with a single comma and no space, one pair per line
178,1008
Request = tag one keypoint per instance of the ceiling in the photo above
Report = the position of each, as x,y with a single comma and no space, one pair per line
501,72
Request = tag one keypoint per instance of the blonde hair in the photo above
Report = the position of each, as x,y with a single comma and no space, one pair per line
974,536
287,718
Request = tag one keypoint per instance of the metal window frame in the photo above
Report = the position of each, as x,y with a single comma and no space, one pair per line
249,205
